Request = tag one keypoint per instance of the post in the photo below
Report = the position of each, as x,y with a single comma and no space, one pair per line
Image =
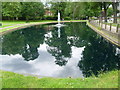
117,28
101,25
105,25
110,26
99,21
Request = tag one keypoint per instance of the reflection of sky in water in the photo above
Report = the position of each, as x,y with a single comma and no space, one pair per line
44,65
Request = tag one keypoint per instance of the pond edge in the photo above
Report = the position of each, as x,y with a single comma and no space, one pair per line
111,39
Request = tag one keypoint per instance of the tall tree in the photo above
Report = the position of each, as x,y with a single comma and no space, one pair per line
11,10
32,10
26,10
58,6
105,6
81,10
114,5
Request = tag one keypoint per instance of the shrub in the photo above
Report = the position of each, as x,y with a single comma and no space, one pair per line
50,18
67,18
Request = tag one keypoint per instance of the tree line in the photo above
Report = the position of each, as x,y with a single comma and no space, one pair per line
68,10
83,10
22,10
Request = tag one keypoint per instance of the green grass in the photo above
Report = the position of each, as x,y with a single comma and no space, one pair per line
105,80
14,24
6,23
9,23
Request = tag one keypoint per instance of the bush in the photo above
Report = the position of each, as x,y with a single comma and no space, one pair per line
50,18
67,18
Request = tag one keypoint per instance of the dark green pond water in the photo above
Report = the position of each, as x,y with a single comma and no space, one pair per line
71,51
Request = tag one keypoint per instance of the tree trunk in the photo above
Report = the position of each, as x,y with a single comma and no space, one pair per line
105,15
73,14
114,5
105,11
27,20
100,18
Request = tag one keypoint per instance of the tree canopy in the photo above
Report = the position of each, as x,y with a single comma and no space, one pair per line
23,10
71,10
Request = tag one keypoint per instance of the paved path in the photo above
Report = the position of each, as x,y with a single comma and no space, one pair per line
113,28
112,36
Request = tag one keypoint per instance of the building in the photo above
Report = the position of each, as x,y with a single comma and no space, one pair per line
48,13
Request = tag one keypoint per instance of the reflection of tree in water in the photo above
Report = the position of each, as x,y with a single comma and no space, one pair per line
24,42
78,34
56,52
33,38
98,56
13,43
59,47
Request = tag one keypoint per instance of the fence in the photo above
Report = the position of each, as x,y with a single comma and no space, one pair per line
115,28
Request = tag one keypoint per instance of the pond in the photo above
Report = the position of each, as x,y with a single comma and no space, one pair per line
73,51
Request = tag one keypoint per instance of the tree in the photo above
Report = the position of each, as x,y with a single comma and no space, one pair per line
11,10
81,10
24,10
94,9
106,6
32,10
75,10
110,12
114,5
58,6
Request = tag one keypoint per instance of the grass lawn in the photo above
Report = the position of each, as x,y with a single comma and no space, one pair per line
7,25
105,80
11,23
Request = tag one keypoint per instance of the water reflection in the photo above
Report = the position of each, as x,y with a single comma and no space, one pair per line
98,57
24,42
44,49
58,46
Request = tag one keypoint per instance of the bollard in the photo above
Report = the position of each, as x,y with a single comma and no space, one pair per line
99,22
110,26
117,28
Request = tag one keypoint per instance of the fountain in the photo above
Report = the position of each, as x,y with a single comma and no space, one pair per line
58,18
59,25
